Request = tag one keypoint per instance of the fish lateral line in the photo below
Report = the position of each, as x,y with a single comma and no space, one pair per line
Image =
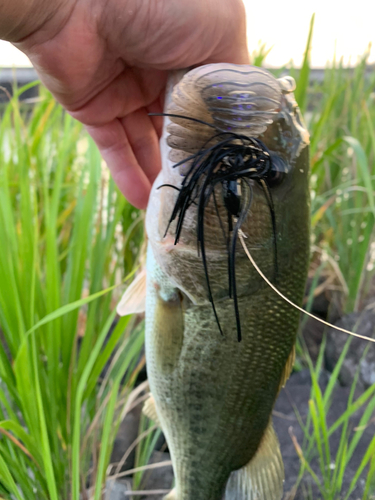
242,237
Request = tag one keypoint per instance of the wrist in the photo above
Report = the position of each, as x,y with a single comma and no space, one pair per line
21,18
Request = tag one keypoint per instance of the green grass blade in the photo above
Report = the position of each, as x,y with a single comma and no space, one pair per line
104,449
303,80
7,478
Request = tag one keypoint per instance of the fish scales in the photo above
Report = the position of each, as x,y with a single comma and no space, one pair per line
214,395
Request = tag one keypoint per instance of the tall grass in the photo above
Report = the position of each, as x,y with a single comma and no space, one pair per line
343,173
340,115
317,445
62,234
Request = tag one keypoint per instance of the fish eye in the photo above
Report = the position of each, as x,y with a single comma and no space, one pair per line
278,171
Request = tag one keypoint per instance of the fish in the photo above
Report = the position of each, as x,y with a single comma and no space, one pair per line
219,342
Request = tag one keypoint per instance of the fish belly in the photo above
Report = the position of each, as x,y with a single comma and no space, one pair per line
213,395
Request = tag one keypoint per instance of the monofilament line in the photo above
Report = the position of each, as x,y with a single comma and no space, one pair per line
242,236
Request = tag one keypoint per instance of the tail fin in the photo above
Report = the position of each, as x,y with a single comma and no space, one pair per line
262,478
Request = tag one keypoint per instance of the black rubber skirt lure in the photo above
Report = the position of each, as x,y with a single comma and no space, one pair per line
234,162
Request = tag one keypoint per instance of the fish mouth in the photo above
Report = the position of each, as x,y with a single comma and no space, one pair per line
219,116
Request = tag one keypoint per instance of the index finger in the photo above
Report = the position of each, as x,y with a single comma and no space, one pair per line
116,150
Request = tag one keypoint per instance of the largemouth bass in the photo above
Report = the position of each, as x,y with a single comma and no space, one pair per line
219,341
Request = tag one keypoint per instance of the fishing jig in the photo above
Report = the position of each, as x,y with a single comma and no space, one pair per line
232,160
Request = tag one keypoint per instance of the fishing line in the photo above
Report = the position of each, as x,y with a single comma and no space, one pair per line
241,236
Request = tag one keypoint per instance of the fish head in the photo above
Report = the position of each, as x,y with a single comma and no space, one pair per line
235,158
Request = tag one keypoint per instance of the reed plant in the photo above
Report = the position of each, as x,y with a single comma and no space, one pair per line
67,241
340,116
327,466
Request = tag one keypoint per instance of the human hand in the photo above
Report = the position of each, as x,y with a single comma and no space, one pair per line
107,63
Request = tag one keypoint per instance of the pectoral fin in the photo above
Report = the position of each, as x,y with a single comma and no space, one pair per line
262,478
134,299
168,333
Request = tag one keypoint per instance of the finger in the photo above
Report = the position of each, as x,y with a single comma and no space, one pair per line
116,150
131,90
230,39
143,141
